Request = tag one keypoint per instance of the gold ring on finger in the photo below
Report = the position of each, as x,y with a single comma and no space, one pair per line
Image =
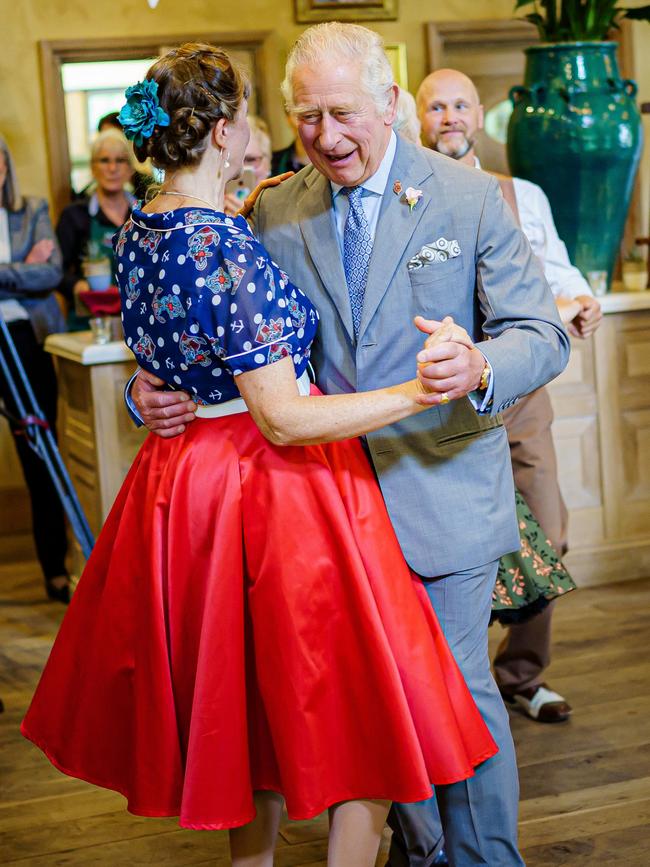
444,397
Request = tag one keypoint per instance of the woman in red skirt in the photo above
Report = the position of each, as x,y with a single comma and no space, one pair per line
246,630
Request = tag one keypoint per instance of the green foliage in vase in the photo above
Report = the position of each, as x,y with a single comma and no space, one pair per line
578,20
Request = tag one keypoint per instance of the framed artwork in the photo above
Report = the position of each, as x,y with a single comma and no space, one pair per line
311,11
396,52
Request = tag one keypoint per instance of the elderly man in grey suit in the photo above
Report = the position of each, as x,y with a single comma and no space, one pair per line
378,231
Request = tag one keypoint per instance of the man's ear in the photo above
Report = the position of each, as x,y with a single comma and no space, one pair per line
219,134
391,111
481,117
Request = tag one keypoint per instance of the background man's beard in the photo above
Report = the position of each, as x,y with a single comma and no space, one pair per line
456,152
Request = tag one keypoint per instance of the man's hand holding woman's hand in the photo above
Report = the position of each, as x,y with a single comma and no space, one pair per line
449,365
165,413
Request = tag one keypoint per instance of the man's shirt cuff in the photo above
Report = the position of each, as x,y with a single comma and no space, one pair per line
482,400
130,406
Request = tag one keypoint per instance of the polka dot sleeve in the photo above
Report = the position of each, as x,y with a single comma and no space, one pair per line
251,321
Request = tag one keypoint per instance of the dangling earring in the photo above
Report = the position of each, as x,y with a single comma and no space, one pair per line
225,156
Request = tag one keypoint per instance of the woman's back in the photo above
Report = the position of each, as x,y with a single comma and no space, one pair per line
202,301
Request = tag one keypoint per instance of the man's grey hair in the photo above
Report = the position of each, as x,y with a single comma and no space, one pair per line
323,43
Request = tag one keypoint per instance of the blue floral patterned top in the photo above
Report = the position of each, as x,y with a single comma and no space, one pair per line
202,301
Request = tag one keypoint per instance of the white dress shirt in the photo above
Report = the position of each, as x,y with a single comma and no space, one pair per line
10,309
371,197
374,188
537,224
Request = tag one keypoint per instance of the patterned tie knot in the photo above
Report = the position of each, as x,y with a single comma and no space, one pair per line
353,194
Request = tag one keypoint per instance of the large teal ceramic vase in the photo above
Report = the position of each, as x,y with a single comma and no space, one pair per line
575,130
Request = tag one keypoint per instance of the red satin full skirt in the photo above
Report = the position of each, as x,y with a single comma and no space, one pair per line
247,622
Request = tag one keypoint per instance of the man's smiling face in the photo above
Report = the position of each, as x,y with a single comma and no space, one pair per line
450,112
340,127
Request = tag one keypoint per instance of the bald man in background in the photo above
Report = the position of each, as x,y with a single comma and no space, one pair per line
451,115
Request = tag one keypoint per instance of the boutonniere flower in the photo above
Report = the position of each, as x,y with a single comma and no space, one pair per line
412,197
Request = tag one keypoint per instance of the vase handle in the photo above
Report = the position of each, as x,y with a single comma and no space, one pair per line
630,87
518,92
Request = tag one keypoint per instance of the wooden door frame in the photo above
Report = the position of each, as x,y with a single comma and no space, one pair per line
54,53
499,32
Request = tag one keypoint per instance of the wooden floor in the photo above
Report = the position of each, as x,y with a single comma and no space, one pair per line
585,785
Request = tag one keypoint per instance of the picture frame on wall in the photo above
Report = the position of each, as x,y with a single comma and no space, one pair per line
396,53
312,11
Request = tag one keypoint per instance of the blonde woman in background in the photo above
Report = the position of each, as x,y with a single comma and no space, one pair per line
257,159
406,121
86,227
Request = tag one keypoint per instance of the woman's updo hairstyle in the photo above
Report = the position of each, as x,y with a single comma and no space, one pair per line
198,85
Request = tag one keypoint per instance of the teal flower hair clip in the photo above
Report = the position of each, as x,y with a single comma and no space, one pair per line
142,112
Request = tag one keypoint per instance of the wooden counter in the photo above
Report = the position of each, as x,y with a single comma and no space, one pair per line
97,438
602,437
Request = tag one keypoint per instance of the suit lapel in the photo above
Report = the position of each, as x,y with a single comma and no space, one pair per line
319,233
395,226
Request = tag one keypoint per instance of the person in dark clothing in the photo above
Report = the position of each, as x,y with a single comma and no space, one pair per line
30,269
140,181
86,227
109,121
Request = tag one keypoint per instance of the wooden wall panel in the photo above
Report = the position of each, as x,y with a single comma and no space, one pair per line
602,439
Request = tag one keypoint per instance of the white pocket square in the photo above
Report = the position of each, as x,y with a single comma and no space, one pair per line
436,251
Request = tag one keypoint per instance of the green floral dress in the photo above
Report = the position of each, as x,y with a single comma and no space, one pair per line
531,577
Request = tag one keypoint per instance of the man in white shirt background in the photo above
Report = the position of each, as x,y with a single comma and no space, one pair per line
451,114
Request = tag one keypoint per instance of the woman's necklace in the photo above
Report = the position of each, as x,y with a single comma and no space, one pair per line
189,196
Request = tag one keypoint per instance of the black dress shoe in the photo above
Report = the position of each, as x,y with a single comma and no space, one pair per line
57,594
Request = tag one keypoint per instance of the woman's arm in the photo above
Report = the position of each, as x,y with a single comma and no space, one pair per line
282,414
35,276
288,419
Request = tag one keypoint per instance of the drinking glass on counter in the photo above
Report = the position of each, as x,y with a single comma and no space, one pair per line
101,329
598,282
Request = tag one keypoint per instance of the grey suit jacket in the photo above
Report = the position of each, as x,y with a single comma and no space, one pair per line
33,285
445,474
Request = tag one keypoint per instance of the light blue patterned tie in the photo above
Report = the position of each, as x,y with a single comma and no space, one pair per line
357,247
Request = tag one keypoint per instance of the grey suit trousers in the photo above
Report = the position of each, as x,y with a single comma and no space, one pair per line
480,814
